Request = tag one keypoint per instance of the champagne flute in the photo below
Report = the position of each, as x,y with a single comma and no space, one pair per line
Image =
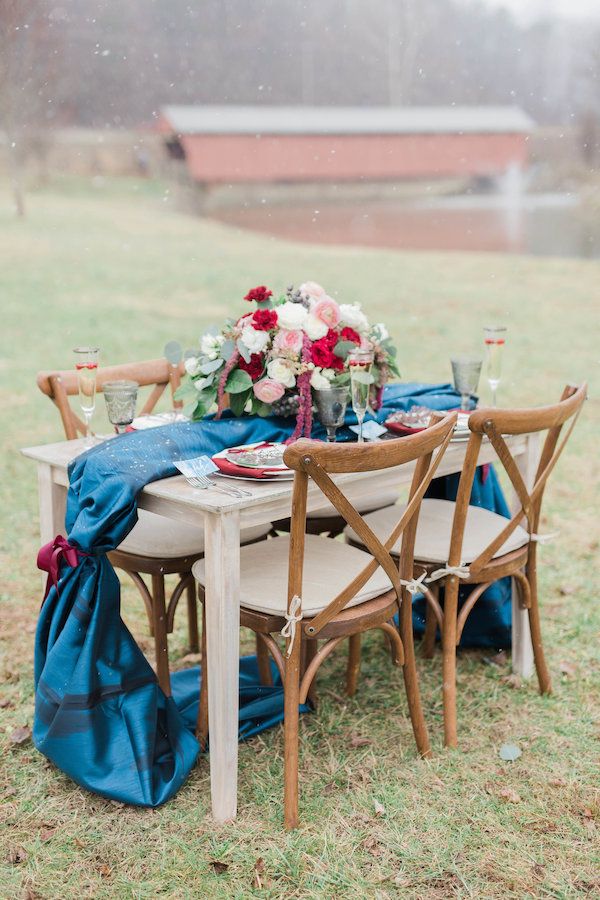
86,364
494,337
360,363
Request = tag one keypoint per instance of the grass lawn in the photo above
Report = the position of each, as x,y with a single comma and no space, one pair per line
114,264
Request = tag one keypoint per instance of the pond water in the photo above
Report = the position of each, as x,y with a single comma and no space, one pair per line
540,224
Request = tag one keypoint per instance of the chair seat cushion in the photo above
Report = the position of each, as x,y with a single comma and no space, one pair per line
376,501
162,538
435,526
329,566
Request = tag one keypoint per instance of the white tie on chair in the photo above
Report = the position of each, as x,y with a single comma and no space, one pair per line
291,620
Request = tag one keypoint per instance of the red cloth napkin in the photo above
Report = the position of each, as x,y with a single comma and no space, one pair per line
229,468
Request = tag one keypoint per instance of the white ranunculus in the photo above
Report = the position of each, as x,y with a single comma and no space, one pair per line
353,316
256,341
291,316
210,345
283,371
192,365
318,381
315,328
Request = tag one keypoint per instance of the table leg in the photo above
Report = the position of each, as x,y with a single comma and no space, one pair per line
222,567
522,651
52,500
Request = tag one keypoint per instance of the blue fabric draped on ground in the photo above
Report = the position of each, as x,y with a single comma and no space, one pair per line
100,715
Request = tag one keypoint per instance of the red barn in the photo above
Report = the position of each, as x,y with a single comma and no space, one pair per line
226,144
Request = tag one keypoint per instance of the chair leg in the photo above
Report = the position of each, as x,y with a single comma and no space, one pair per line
428,641
353,666
449,660
202,719
310,651
290,730
411,680
541,668
192,612
159,618
263,660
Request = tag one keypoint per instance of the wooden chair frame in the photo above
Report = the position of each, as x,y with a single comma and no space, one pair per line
519,564
157,373
300,662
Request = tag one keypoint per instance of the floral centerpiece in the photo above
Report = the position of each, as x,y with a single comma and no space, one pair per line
271,359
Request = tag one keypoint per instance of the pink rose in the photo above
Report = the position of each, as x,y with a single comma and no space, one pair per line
327,311
268,390
312,289
288,341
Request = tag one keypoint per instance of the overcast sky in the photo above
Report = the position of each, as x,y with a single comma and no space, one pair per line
527,10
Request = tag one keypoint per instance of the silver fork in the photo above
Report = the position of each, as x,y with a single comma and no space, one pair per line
204,482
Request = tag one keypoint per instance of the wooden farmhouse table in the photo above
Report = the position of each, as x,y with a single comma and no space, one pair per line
222,517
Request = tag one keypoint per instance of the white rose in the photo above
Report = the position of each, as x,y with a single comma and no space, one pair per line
351,315
319,382
282,370
315,328
256,341
291,316
210,345
311,289
192,365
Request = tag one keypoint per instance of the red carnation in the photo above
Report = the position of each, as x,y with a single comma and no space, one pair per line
260,294
264,319
321,353
331,338
337,363
349,334
255,367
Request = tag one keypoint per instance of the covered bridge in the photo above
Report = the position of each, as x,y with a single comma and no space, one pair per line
226,144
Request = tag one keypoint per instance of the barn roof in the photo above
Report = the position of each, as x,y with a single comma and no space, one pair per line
346,119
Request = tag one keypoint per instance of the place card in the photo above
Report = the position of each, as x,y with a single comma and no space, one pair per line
200,465
372,430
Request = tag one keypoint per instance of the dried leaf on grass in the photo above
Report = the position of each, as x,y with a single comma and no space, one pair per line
218,867
15,856
509,796
20,735
47,833
358,740
5,703
259,880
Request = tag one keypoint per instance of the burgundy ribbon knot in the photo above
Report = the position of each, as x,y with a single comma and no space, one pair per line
50,556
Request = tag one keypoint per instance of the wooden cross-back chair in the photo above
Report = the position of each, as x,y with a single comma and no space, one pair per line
370,588
155,547
477,547
157,373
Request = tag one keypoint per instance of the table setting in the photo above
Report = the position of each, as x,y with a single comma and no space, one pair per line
299,365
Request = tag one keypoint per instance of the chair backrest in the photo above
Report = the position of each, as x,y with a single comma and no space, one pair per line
318,461
494,423
61,385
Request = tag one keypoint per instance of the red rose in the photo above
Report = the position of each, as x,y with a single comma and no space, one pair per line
349,334
255,367
331,338
337,363
260,294
264,319
321,353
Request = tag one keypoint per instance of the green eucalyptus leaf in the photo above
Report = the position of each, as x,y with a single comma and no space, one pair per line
362,377
238,401
243,350
172,352
190,408
211,366
227,349
343,348
238,381
186,390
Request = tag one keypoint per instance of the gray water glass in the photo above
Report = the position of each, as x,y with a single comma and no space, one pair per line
121,399
466,371
331,409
